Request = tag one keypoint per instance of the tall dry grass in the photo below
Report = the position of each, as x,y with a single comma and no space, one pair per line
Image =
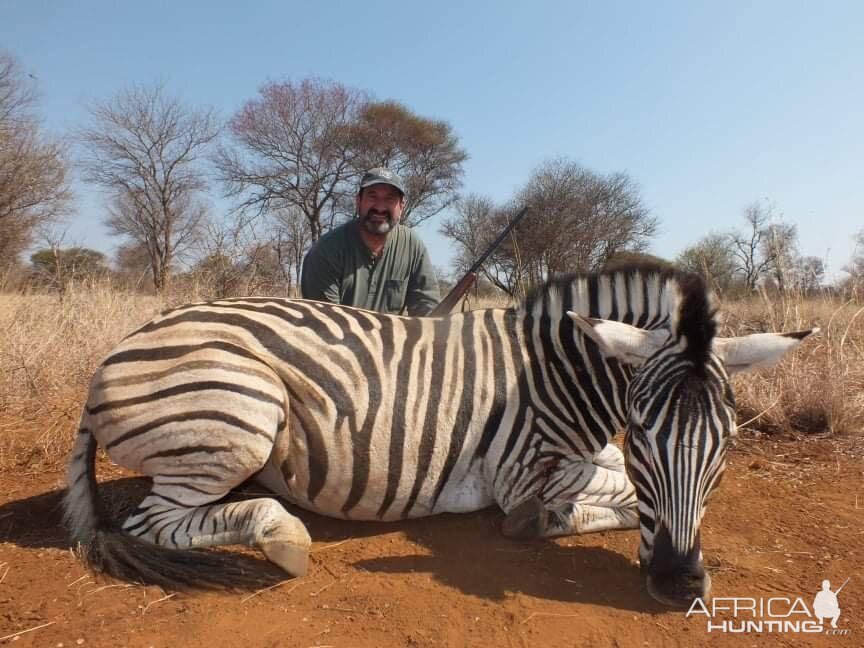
820,387
50,347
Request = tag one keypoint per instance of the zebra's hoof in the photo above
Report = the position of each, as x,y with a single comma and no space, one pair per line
292,558
527,521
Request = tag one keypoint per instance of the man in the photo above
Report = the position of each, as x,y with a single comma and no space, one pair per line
825,605
373,262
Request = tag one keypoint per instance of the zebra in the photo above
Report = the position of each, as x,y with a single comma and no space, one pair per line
364,416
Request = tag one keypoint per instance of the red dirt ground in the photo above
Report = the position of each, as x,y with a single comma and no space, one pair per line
786,517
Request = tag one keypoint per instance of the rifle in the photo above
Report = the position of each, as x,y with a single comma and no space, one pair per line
465,283
842,586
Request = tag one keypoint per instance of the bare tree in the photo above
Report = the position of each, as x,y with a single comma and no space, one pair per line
752,257
780,245
234,261
855,268
810,274
712,258
290,238
132,263
165,236
424,152
291,149
579,219
145,148
473,228
34,186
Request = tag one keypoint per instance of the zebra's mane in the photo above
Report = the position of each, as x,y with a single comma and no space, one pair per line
648,295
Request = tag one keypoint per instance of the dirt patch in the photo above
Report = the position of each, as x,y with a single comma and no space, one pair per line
786,517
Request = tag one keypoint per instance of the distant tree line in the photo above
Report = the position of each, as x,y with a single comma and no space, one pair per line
288,162
763,253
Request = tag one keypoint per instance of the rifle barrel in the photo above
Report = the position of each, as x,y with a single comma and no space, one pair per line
842,586
446,305
479,262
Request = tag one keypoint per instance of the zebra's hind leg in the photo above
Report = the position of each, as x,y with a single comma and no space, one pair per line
579,497
165,520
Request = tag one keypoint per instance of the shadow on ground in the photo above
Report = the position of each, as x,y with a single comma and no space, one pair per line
466,552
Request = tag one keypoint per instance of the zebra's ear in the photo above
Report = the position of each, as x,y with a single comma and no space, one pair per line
627,343
758,350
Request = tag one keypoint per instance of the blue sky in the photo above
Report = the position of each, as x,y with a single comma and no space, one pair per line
709,106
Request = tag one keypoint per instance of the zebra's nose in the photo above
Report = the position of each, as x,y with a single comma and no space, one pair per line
674,578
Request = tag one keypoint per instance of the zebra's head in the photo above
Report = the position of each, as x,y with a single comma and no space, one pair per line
680,417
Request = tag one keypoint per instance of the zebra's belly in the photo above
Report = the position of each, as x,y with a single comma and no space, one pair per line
462,493
471,493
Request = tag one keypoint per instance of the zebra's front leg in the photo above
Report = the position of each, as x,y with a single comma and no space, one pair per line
577,497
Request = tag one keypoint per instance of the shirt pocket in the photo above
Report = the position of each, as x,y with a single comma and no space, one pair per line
394,295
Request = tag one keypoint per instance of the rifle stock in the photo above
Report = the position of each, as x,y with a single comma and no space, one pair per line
445,307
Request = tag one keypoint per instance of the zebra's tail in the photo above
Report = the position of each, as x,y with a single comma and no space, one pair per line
108,550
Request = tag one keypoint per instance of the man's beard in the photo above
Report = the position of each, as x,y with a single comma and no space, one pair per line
378,226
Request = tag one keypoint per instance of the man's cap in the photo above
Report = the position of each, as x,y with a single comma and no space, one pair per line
381,175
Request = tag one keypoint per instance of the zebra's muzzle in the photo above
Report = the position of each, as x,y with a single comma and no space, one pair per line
673,578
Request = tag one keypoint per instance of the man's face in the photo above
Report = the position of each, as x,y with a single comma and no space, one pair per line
380,208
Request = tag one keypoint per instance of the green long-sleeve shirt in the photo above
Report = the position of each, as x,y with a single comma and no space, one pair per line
341,269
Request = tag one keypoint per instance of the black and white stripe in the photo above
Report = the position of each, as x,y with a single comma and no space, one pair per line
361,415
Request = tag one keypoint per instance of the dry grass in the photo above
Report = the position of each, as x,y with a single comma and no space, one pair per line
817,389
49,349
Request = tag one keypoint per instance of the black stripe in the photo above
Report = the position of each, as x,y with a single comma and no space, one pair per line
191,516
499,376
402,399
223,516
203,519
153,354
174,533
459,431
197,415
598,384
613,299
186,388
188,475
627,317
316,450
524,399
388,345
246,517
644,316
436,386
544,379
361,436
646,520
158,537
214,366
190,487
145,519
187,450
593,297
170,500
